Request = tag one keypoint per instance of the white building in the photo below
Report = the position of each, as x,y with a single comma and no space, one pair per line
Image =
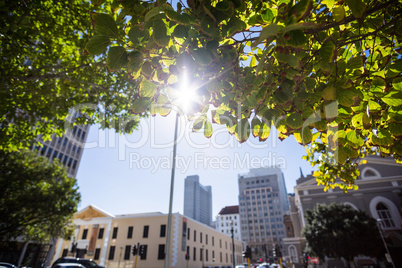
227,219
197,200
262,204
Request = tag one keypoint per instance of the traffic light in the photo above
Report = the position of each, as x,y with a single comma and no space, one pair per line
274,251
187,257
135,250
247,253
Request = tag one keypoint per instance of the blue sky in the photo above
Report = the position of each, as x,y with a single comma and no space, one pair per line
124,174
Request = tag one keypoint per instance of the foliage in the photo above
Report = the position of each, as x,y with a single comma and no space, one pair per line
45,72
337,230
327,72
37,198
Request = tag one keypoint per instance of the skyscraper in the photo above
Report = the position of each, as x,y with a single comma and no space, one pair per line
68,148
197,200
262,204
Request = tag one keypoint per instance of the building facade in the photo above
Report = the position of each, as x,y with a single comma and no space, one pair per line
197,200
262,204
227,220
67,148
379,195
108,240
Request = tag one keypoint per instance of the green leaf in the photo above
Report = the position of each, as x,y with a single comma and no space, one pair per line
327,51
255,126
199,123
374,107
357,6
264,131
303,136
395,129
208,129
329,93
202,56
97,44
361,121
183,18
393,98
294,121
346,97
354,63
139,106
242,130
353,140
338,13
159,33
157,10
147,89
397,83
105,25
117,58
328,3
162,106
267,15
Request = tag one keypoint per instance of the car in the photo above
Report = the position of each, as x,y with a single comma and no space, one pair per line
7,265
69,265
85,262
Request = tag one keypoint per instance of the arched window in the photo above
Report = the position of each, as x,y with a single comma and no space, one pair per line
293,253
385,215
370,173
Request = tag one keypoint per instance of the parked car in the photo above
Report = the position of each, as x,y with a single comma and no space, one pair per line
85,262
69,265
7,265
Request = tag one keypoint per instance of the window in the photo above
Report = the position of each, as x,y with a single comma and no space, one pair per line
97,254
163,230
84,234
213,241
115,229
130,232
144,255
385,215
100,234
188,233
65,252
206,255
111,252
206,239
146,230
194,253
195,235
127,252
161,252
200,237
201,253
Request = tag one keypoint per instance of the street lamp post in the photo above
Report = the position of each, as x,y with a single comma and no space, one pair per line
169,224
383,240
233,245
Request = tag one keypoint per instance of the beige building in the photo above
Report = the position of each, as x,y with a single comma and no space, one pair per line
108,240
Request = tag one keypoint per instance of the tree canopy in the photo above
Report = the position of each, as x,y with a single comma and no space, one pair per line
37,198
337,230
45,72
326,72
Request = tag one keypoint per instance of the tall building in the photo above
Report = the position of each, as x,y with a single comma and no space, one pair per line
227,219
262,204
197,200
379,195
67,148
109,239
